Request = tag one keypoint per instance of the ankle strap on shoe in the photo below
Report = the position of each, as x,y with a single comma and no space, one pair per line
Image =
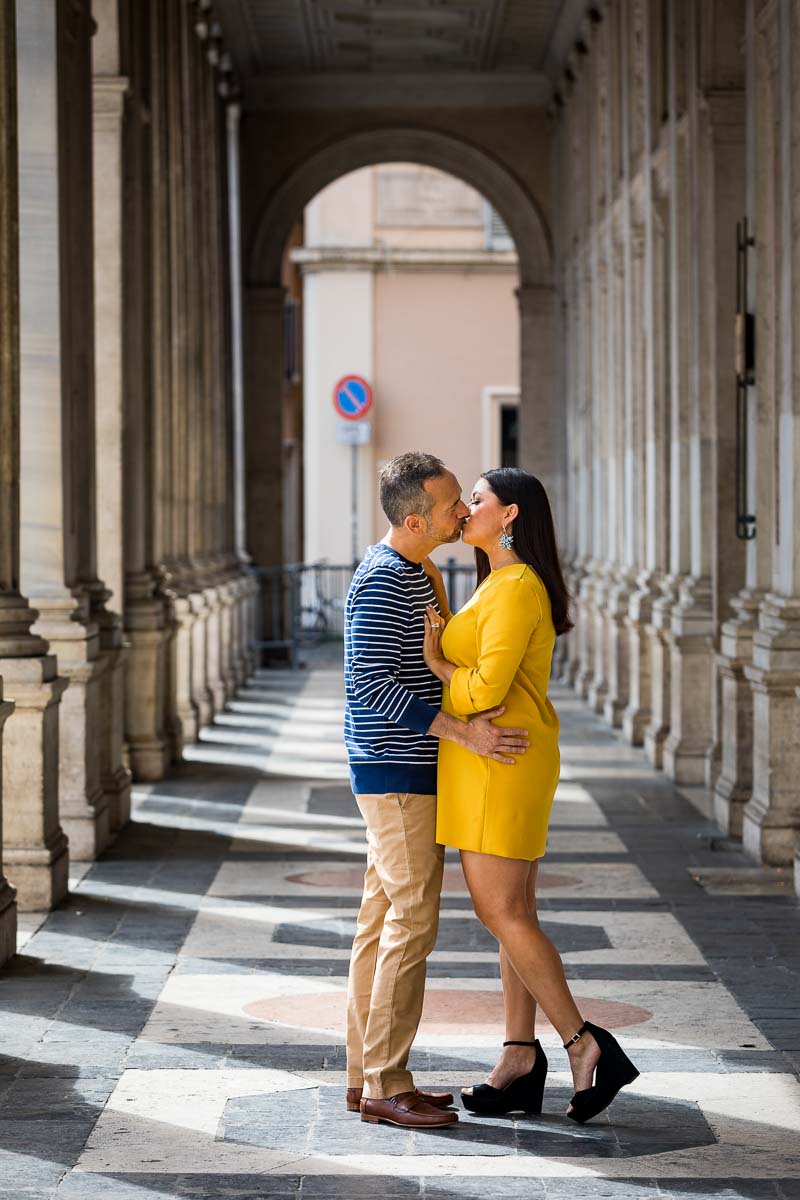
519,1043
576,1037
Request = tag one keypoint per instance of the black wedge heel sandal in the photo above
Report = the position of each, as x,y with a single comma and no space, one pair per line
614,1070
522,1094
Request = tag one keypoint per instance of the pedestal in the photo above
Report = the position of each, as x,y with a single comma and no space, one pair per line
637,716
690,646
657,730
771,819
734,784
34,844
616,618
598,687
8,905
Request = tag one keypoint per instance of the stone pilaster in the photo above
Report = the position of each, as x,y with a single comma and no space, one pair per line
8,905
615,613
57,497
638,714
542,426
108,98
603,585
771,822
657,731
690,645
243,585
145,610
733,785
585,632
771,826
10,600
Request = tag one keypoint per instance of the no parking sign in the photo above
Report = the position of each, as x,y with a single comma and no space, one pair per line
352,398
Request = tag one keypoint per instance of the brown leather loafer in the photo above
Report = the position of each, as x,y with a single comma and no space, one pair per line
437,1099
407,1110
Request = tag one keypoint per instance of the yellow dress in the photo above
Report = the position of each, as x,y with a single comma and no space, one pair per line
501,643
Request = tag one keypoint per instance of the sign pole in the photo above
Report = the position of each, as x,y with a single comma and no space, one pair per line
354,502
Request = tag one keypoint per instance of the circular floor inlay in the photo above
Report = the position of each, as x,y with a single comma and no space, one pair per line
447,1010
353,877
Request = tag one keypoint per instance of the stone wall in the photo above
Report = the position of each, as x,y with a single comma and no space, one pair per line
681,121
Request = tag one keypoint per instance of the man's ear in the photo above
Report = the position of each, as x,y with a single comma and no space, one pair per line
413,524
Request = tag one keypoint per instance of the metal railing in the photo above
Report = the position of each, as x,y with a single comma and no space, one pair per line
302,604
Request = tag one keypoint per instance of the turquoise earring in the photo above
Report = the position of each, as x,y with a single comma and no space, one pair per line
506,540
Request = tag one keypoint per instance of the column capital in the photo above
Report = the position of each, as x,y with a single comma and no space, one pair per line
535,298
108,100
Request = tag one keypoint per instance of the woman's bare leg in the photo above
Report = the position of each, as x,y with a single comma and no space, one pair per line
520,1013
498,887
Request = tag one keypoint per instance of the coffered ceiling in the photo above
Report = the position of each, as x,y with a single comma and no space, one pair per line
329,52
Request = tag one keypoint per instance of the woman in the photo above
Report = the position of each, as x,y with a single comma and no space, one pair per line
498,650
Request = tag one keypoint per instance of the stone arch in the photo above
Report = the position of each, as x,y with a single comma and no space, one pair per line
511,199
542,414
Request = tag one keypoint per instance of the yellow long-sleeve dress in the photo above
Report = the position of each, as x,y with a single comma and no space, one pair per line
501,643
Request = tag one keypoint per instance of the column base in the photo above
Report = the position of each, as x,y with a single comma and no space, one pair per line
771,827
617,640
148,752
767,840
729,804
83,804
657,732
201,698
733,786
40,874
33,841
638,715
117,789
8,922
689,640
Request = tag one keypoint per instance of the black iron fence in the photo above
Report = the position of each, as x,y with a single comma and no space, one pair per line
302,604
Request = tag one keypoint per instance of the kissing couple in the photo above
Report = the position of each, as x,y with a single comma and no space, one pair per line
452,741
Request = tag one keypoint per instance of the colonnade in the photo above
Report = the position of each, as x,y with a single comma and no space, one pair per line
127,613
681,120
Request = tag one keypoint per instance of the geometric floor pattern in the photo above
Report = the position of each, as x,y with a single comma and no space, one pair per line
175,1029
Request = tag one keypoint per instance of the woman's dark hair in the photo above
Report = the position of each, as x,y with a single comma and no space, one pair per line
534,536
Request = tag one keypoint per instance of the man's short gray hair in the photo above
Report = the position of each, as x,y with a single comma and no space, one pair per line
402,485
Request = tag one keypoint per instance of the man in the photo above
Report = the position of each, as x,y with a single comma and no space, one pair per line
392,724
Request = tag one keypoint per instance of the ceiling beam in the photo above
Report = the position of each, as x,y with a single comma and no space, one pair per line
353,90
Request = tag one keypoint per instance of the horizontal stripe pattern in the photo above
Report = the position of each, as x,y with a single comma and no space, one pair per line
391,696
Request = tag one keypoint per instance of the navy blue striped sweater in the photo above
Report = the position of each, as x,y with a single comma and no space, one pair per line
391,696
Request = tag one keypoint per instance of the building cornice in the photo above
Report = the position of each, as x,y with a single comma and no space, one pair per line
312,260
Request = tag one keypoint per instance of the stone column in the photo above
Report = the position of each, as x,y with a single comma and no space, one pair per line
612,602
771,824
10,600
245,583
145,616
263,433
678,320
57,493
716,132
733,786
34,844
601,458
8,904
108,88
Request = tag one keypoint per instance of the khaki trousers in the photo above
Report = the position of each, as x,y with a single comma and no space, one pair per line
397,926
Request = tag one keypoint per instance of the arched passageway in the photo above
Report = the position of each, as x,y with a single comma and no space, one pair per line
542,421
